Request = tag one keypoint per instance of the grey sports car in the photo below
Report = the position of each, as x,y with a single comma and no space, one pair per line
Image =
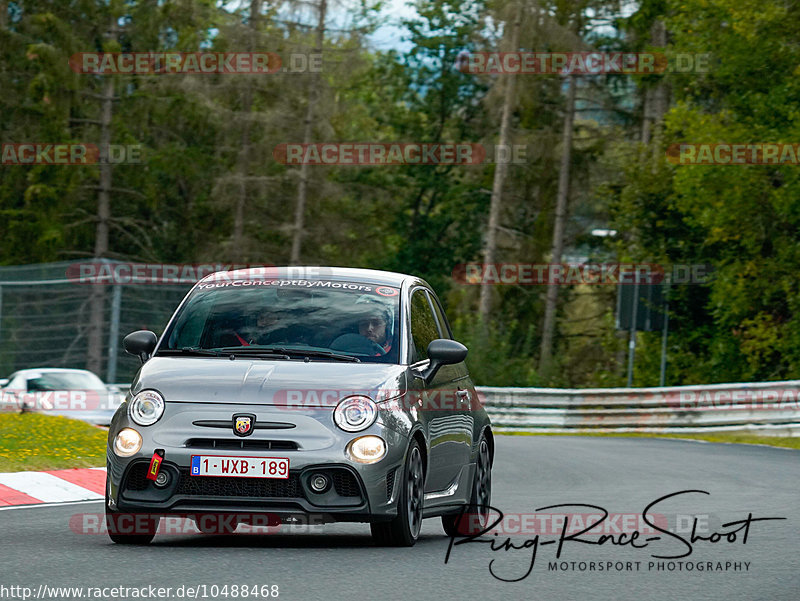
285,393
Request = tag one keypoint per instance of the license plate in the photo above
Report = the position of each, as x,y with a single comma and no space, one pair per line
240,467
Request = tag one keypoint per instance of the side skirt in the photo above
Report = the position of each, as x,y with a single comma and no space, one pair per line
453,497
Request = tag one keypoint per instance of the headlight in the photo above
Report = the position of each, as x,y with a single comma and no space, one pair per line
128,442
355,413
367,449
146,407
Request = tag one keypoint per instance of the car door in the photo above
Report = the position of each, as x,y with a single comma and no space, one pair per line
438,410
458,398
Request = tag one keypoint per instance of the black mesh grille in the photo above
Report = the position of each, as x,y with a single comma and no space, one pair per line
137,477
345,484
212,486
390,483
238,443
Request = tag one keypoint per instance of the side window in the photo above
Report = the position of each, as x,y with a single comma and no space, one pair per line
188,331
444,327
423,326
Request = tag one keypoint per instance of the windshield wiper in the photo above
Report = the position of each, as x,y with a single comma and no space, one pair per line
285,353
255,351
189,350
315,353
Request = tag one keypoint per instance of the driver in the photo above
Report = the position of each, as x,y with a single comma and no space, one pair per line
282,319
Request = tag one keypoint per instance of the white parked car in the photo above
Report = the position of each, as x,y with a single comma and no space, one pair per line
74,393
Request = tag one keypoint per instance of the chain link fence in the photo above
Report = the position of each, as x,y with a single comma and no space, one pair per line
46,318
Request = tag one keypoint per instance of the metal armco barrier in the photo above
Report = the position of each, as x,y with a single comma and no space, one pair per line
771,408
768,407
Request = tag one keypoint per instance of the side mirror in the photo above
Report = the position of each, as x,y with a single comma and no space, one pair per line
140,343
443,352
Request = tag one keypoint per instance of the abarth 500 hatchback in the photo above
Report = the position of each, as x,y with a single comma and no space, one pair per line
285,393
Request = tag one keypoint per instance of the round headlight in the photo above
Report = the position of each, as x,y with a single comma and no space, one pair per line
128,442
146,407
355,413
367,449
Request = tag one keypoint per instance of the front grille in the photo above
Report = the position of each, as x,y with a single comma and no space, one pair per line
137,477
233,444
345,484
212,486
390,483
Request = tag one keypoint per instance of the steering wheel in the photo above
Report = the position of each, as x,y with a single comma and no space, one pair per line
357,344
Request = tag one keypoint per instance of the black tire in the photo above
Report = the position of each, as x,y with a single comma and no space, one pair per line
145,528
476,516
403,530
113,526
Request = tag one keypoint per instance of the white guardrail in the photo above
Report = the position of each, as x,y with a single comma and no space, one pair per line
770,408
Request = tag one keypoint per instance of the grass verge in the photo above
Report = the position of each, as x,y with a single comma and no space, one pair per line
787,442
32,441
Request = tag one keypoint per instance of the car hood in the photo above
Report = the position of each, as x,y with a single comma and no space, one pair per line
267,382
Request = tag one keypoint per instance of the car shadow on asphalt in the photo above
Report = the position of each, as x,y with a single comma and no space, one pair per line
278,541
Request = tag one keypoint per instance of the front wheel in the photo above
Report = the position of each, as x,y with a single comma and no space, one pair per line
476,516
403,530
131,528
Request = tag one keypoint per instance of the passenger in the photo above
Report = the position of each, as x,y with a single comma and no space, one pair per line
265,329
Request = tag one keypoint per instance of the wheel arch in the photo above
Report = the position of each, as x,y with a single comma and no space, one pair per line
423,448
489,436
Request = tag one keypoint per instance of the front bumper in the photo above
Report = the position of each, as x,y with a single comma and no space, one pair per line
314,444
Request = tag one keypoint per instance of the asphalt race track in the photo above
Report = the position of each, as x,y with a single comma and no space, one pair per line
621,475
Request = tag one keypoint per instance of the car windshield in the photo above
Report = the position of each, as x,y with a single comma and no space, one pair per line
322,320
65,381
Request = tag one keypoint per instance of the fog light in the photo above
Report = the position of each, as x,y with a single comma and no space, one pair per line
128,442
162,479
367,449
319,483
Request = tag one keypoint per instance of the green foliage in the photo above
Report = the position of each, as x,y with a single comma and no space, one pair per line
499,357
742,220
179,205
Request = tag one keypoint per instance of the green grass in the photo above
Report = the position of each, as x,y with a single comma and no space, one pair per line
32,441
730,437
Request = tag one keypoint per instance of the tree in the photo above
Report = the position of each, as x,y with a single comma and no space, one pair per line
509,99
308,128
